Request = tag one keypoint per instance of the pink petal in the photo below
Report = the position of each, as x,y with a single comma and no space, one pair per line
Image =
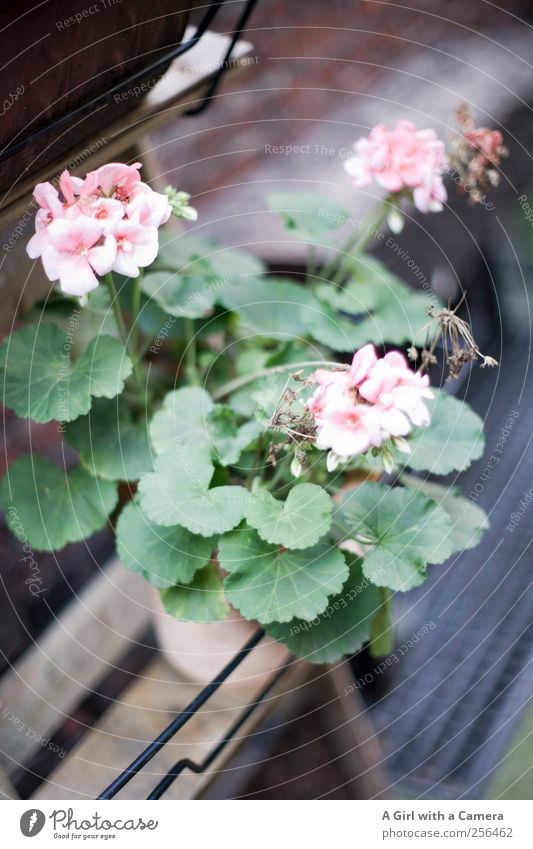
75,234
103,256
125,264
47,198
76,276
362,362
38,243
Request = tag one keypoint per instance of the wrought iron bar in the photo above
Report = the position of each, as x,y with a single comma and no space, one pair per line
187,763
180,720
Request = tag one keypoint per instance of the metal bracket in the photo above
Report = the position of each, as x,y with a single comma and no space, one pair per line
182,718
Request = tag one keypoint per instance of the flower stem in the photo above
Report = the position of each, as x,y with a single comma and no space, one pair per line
311,263
191,368
239,382
356,242
135,305
381,633
121,327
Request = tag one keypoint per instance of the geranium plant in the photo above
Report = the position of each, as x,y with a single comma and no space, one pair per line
270,431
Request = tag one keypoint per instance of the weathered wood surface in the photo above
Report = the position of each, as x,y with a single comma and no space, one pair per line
77,650
141,713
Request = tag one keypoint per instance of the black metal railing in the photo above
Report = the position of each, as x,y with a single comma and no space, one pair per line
182,718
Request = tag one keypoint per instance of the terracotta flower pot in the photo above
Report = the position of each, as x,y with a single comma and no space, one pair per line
200,650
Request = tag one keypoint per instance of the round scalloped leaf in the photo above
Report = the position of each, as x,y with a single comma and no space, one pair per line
203,258
203,600
165,556
48,507
41,383
394,314
469,521
404,529
181,420
342,628
307,215
177,493
270,307
188,416
180,295
272,584
453,440
299,522
110,444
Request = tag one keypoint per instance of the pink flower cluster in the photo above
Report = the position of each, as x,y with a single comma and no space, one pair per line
106,222
403,158
361,408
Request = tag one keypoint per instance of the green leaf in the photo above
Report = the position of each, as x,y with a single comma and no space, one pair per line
188,417
307,215
342,628
180,295
355,298
269,307
201,601
163,555
468,520
299,522
41,383
216,264
181,420
49,508
227,441
110,444
383,309
453,440
272,584
405,530
177,493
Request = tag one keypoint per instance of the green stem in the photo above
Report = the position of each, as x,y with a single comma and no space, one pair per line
356,242
121,327
239,382
278,475
191,368
381,633
135,306
311,262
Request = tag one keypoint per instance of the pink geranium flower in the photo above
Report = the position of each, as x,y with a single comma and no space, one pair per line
106,222
377,399
50,207
136,246
113,180
149,208
77,252
401,159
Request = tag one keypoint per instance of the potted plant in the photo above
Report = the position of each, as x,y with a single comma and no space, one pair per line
273,462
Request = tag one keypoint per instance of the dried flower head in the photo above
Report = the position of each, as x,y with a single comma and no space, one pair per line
458,343
475,154
292,420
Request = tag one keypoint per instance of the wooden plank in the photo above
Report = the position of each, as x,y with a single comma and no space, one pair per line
144,709
359,752
185,76
74,653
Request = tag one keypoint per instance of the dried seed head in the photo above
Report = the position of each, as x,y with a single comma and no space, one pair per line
475,154
458,343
